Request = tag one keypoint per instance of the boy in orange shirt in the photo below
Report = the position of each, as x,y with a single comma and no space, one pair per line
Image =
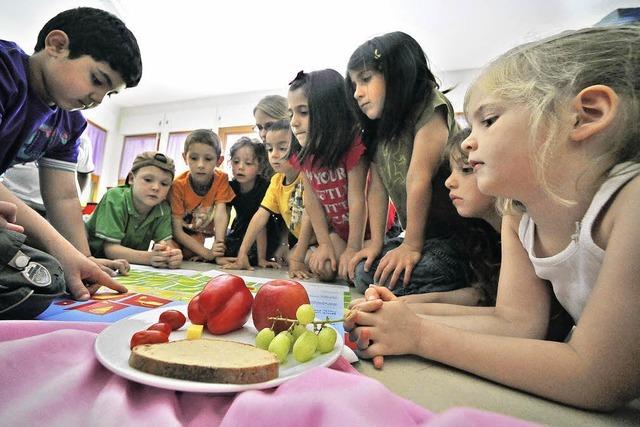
199,198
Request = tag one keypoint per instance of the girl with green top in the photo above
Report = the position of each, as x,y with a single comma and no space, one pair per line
130,217
406,122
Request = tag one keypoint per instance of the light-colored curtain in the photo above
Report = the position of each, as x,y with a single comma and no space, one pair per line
134,145
98,138
175,147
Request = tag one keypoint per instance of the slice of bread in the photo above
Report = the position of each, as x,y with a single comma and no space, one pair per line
206,360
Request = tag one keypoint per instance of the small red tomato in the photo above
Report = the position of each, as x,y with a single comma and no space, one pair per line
161,326
148,337
173,317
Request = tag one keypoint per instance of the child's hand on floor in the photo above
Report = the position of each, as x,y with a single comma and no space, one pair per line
217,250
83,276
298,270
224,260
374,292
241,263
281,254
369,254
343,262
263,263
380,324
394,263
317,260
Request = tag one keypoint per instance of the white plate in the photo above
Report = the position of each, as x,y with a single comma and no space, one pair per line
112,350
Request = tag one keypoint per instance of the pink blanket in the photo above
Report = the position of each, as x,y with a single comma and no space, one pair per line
50,376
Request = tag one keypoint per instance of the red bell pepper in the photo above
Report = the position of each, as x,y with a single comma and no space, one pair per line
224,304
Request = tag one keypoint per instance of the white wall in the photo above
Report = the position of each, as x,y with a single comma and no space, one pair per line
212,113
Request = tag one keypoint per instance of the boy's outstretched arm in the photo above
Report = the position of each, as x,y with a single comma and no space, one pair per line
63,207
78,269
220,224
64,212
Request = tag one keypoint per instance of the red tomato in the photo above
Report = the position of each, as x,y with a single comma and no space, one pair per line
196,315
160,326
174,318
148,337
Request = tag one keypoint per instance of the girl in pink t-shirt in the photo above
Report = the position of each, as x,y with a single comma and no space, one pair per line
333,169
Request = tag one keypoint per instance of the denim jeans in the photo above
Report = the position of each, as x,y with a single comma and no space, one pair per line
441,268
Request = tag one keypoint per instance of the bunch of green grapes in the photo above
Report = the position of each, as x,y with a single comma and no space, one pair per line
299,339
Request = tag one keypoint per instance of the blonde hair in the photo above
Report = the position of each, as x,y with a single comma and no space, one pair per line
544,76
274,106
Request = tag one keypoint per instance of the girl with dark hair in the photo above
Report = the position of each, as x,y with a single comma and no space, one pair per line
406,122
284,196
555,137
334,171
248,163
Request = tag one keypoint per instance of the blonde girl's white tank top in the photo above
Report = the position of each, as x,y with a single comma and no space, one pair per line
573,271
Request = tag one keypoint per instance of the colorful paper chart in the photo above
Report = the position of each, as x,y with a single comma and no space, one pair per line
150,289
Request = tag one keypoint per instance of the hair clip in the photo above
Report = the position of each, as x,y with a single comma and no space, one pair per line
298,76
377,54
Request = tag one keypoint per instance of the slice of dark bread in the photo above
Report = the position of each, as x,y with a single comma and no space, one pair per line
206,360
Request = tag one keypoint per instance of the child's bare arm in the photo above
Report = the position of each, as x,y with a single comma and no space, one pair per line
468,296
187,241
134,256
78,269
220,221
595,369
314,210
257,223
425,158
357,178
60,196
378,205
261,249
297,258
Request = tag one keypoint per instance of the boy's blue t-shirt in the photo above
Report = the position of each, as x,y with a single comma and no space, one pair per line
29,128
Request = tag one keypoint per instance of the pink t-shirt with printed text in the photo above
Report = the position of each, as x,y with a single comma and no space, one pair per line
331,188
